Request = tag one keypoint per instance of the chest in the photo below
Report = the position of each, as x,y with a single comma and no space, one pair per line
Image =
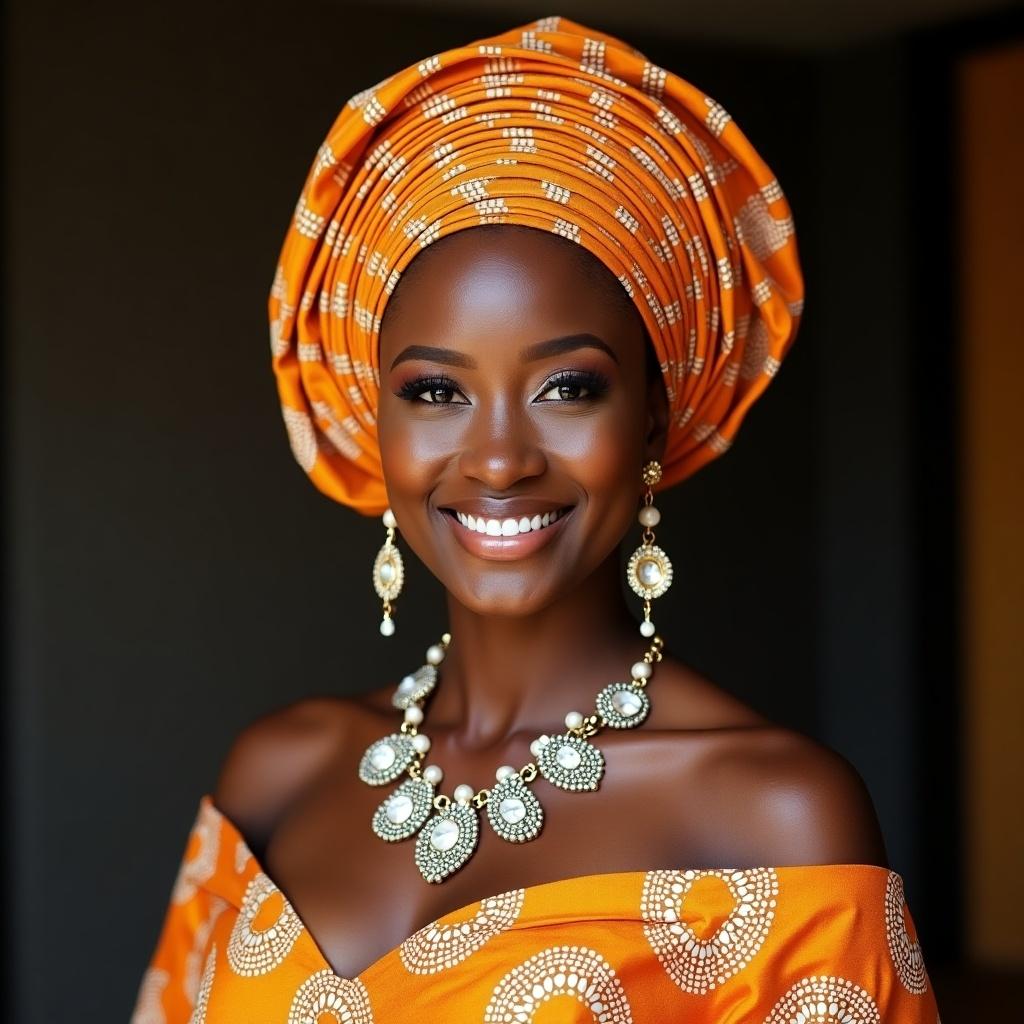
360,897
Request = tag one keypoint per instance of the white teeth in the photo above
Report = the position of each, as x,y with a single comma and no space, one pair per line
506,527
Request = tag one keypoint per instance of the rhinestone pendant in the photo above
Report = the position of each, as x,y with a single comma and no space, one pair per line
447,841
415,686
386,759
623,705
401,815
571,763
514,812
649,571
388,572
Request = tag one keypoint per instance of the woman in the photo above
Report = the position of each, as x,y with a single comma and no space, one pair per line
529,283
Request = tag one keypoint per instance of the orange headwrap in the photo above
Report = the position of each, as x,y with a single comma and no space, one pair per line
554,126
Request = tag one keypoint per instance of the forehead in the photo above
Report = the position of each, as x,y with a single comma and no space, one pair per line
504,280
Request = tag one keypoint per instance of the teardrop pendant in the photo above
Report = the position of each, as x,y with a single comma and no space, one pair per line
386,759
402,813
514,812
447,841
571,763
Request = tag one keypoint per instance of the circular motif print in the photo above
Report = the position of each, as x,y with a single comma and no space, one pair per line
324,995
699,963
825,1000
436,947
574,971
905,952
261,940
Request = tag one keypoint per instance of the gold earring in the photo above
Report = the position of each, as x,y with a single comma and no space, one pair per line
388,573
649,572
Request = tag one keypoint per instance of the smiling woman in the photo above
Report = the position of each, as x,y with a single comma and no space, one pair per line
528,283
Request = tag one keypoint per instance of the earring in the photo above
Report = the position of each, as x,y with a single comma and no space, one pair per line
649,572
388,573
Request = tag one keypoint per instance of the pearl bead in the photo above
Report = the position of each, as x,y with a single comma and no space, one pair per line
646,628
463,793
399,808
389,519
433,774
387,627
649,573
414,714
504,772
649,516
382,756
387,572
435,654
443,836
420,743
641,670
535,748
573,720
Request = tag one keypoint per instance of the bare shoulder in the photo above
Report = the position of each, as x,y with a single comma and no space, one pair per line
774,795
793,799
274,758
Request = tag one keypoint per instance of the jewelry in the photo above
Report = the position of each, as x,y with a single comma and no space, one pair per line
448,838
649,571
388,573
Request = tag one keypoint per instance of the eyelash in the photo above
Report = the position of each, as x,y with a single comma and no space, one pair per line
595,383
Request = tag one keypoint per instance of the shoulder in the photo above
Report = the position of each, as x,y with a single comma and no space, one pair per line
273,759
764,793
795,800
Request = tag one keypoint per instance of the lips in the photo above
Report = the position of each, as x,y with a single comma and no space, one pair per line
506,530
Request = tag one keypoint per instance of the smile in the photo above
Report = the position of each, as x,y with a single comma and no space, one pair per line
508,527
503,538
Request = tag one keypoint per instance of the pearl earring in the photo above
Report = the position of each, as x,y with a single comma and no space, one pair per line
388,573
649,572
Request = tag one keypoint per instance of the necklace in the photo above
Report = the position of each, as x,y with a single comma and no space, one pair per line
448,838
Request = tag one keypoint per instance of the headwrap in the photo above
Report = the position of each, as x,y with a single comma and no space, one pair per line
558,127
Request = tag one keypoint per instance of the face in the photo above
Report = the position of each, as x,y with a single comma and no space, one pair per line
516,413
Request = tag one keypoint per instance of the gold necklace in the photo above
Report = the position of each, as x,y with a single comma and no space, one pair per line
448,838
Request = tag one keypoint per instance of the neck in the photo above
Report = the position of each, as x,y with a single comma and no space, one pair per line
509,674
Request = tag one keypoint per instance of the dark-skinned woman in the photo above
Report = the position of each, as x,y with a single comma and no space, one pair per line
530,283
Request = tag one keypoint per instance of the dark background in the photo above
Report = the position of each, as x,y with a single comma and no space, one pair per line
172,574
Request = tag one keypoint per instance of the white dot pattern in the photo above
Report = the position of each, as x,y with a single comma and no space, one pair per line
437,947
698,965
573,971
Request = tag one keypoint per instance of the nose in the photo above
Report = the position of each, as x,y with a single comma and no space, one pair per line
501,447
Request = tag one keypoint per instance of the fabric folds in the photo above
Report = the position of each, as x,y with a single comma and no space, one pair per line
562,128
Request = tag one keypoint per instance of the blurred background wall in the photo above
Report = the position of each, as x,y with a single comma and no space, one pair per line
853,567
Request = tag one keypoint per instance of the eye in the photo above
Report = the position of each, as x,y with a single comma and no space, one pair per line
432,390
574,386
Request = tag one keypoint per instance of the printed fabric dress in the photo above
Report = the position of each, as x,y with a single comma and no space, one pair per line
778,945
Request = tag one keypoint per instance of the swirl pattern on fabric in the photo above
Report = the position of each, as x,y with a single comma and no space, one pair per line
565,129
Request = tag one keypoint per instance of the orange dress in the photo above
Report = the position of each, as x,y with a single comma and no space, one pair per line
779,945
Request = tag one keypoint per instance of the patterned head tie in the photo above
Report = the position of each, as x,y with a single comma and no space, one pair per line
558,127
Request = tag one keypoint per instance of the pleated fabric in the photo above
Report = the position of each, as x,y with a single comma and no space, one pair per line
562,128
813,944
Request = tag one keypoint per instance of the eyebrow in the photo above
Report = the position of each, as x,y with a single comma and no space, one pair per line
539,350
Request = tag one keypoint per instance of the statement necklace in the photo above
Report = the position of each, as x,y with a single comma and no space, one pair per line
448,838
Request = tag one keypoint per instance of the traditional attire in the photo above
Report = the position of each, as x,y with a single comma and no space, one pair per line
565,129
778,945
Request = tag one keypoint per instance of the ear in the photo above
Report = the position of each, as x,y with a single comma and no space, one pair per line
656,432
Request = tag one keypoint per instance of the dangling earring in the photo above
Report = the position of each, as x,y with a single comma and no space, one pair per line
649,571
388,573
